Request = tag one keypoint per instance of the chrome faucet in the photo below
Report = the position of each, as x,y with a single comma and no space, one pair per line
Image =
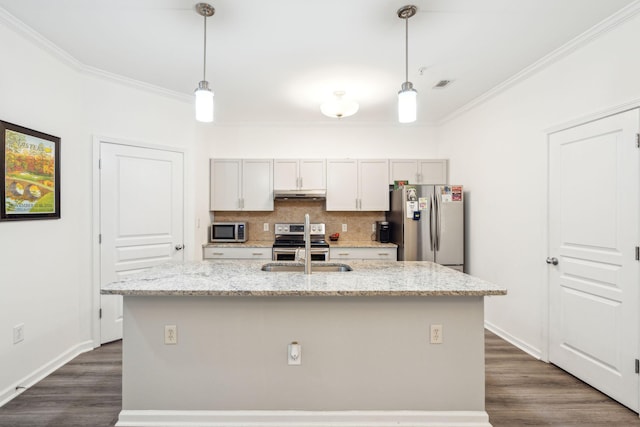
307,244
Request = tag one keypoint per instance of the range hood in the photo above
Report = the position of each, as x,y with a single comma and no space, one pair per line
299,194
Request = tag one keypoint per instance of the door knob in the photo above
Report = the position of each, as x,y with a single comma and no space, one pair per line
179,247
551,260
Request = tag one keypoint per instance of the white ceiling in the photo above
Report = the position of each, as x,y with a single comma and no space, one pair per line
276,61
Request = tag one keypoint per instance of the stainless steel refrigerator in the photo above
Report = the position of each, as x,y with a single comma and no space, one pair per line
427,223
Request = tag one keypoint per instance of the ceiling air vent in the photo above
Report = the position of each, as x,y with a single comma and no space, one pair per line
442,84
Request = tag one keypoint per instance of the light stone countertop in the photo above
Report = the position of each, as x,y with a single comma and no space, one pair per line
249,244
360,244
245,278
338,244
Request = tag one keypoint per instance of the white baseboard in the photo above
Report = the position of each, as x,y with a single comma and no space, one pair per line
535,352
20,386
154,418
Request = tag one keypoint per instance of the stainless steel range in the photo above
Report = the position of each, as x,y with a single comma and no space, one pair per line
290,239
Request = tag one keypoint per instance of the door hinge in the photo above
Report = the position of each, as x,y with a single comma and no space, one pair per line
637,253
100,317
638,140
99,163
99,239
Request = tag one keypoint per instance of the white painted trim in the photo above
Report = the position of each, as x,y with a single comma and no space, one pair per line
66,58
157,418
187,233
563,51
600,114
20,386
534,352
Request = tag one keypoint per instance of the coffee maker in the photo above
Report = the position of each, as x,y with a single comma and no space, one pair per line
383,231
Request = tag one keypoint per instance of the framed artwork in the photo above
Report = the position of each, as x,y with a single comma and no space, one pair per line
30,163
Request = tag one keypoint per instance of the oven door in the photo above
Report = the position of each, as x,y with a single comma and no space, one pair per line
289,254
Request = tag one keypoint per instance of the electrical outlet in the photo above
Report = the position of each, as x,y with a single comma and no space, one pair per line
373,227
294,353
344,227
265,226
18,333
436,334
170,334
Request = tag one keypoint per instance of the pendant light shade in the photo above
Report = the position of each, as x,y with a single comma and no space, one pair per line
407,103
204,95
407,97
339,106
204,103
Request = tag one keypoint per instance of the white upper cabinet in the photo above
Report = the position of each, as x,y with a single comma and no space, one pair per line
357,185
293,174
241,185
421,171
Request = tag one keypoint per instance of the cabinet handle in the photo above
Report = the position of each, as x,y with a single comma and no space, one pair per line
257,253
344,254
383,254
301,185
218,253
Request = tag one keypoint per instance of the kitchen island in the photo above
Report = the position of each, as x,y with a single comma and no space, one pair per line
365,360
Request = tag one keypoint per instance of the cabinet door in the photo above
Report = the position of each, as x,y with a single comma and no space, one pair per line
433,171
342,185
236,253
257,185
285,174
403,170
312,173
373,179
226,178
380,254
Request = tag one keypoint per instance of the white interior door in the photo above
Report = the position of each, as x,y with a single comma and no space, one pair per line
141,218
593,234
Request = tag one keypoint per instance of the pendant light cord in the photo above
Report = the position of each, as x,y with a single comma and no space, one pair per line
406,50
204,66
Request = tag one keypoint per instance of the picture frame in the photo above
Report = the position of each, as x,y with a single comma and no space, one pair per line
30,165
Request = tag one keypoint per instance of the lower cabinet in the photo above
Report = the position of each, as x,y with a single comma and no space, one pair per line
369,254
237,253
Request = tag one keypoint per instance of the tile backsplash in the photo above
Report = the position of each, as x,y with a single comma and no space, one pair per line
292,211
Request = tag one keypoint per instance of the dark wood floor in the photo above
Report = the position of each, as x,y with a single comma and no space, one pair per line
521,391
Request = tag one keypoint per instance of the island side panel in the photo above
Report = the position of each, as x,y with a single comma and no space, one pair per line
358,353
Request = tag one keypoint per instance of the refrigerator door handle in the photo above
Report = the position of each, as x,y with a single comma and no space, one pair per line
432,212
438,216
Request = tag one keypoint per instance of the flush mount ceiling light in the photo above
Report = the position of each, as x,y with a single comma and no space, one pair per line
204,95
407,97
339,106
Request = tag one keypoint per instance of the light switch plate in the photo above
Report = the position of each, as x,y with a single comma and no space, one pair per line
344,228
294,354
265,226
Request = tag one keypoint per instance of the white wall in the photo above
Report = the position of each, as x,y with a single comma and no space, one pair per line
45,266
499,151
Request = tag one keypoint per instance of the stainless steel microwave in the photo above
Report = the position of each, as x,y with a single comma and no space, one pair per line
228,232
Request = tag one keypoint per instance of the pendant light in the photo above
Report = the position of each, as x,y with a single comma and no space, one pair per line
407,97
339,106
204,95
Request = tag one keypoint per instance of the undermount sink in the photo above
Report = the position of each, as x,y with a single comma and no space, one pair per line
331,267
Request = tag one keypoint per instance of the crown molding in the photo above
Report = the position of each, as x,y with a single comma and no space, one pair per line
66,58
563,51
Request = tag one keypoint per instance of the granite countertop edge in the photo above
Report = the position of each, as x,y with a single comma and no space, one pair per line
245,278
337,244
